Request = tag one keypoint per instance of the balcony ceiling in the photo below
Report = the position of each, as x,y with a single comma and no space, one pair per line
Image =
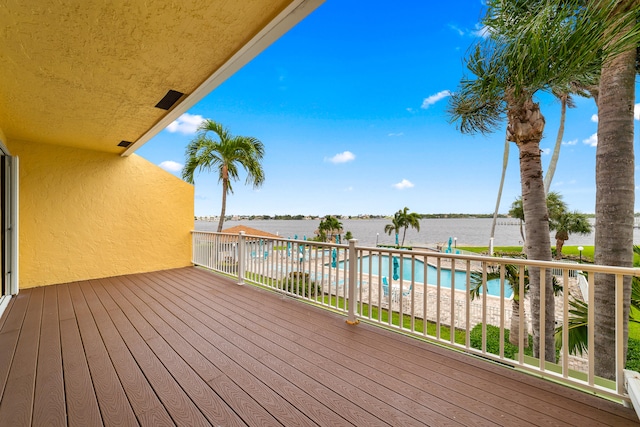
88,73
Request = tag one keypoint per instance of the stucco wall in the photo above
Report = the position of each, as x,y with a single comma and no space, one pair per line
86,214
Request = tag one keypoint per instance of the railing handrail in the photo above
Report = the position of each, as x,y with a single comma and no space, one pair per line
596,268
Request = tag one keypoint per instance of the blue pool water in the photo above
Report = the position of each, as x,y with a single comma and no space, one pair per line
460,278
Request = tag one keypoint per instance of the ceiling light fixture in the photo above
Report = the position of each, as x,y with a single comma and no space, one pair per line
125,144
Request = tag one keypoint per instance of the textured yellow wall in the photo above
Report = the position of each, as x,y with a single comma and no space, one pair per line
86,214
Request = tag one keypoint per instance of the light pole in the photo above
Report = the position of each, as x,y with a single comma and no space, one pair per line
377,234
580,248
455,242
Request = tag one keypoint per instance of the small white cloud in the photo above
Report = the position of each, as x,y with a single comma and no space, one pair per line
594,118
186,124
343,157
592,141
410,110
456,29
171,166
546,151
636,111
396,134
348,189
430,100
572,142
405,183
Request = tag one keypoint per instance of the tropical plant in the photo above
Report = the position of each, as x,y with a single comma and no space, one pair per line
538,45
395,226
579,315
568,223
408,220
224,156
513,275
329,228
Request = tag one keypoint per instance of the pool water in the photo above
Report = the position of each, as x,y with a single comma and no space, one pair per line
460,278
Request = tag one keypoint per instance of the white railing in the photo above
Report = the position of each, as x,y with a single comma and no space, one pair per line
422,293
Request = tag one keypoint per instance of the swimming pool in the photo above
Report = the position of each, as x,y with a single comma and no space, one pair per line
460,278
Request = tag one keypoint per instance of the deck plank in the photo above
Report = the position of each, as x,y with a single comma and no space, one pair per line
14,317
209,403
177,403
146,405
17,402
269,389
82,403
359,389
188,347
114,405
49,407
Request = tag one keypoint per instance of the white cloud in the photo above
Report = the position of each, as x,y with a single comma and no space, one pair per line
546,151
348,189
456,29
594,118
430,100
396,134
410,110
572,142
592,141
343,157
171,166
636,111
186,124
405,183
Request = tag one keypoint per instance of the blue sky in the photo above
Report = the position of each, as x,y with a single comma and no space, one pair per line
351,107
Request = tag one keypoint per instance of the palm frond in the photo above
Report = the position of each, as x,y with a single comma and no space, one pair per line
578,327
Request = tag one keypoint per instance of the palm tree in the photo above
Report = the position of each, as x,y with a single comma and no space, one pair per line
408,220
329,227
512,278
568,223
615,188
395,225
224,156
532,46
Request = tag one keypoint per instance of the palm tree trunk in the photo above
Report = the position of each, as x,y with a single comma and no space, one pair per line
615,198
525,128
225,188
559,245
556,150
514,328
505,161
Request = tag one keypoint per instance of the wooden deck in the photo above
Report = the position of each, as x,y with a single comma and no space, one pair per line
187,347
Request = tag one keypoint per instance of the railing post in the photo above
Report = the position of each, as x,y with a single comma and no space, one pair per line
353,270
241,258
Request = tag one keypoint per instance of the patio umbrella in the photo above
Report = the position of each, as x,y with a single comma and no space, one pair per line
288,247
295,237
449,247
333,258
397,244
396,267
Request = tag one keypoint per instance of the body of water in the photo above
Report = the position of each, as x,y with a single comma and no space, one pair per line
464,231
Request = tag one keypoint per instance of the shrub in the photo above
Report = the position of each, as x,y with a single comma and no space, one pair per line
493,341
633,355
300,284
